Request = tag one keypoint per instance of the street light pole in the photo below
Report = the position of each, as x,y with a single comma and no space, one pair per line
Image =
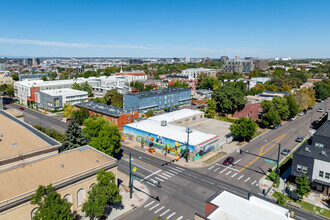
277,161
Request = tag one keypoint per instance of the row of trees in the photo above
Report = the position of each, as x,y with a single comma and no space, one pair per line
83,87
140,86
8,89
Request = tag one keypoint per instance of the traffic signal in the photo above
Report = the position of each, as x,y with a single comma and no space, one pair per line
240,151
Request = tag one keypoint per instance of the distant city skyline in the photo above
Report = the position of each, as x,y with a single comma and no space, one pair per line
297,29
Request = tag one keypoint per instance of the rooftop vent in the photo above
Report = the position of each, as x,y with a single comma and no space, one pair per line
323,153
61,165
307,149
163,123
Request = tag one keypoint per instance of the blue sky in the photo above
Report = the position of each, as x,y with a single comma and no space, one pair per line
164,28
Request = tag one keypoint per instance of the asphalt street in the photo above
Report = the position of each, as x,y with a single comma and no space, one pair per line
32,117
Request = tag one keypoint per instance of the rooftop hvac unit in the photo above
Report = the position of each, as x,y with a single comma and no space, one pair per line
163,123
307,149
323,153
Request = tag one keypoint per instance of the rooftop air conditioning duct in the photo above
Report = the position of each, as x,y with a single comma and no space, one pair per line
163,123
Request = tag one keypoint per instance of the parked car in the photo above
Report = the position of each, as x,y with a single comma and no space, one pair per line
285,152
299,139
293,118
21,108
320,110
276,126
301,113
310,108
228,161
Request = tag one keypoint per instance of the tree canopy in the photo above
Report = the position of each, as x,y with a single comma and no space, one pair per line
150,113
68,110
211,108
83,87
305,97
51,205
80,115
244,128
322,89
113,97
73,136
303,187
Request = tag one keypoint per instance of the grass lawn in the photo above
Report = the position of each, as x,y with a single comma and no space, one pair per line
257,134
222,118
214,158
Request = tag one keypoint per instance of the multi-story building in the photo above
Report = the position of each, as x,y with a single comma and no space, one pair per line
157,99
313,159
133,76
224,58
6,80
56,99
260,64
27,62
36,61
2,67
187,59
35,76
117,116
255,80
239,66
195,72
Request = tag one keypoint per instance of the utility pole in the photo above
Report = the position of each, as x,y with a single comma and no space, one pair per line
130,177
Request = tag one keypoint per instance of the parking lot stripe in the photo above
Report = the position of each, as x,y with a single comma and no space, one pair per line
228,173
234,175
159,179
154,207
216,169
211,167
247,180
159,209
162,176
169,173
253,182
148,204
168,217
179,218
223,170
164,212
240,177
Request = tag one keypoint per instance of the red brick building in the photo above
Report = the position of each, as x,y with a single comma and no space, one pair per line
117,116
249,111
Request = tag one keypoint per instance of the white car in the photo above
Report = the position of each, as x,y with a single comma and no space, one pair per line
293,118
320,110
301,114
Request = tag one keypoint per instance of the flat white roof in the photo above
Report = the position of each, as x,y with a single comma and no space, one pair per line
174,132
175,115
65,92
231,206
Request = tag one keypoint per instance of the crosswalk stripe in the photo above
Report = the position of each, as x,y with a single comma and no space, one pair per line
154,181
164,212
211,167
159,179
162,176
166,175
176,169
159,209
216,169
148,204
154,207
253,182
173,171
149,183
168,217
169,173
240,177
228,173
179,218
223,171
180,168
247,179
234,175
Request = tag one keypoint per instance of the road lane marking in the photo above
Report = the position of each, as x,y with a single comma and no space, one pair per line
162,176
211,167
228,173
179,218
159,209
173,171
164,212
154,207
240,177
159,179
143,162
253,182
261,154
168,217
169,173
148,204
151,174
216,169
139,166
247,180
234,175
227,167
166,175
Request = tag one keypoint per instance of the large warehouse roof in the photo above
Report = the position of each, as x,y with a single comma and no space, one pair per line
174,132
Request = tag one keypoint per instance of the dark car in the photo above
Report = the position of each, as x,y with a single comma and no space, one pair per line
21,108
276,126
285,152
299,139
228,161
310,108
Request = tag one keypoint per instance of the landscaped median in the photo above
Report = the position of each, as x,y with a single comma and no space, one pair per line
301,204
282,167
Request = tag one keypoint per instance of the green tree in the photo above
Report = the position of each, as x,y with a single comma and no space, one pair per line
50,132
108,140
44,78
281,106
92,126
87,88
150,113
112,97
303,187
259,88
228,99
10,90
244,128
50,205
211,108
81,115
292,105
15,77
97,99
272,88
68,110
271,118
73,136
101,194
207,82
179,84
148,88
52,75
76,86
322,89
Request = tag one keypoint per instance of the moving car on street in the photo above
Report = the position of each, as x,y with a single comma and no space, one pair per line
228,161
285,152
21,108
320,110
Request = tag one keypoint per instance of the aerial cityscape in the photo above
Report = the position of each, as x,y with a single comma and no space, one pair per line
164,110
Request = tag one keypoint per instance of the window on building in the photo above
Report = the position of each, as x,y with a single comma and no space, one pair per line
321,173
304,169
299,167
319,145
327,175
127,118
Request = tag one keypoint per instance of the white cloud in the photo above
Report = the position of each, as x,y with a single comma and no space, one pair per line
76,45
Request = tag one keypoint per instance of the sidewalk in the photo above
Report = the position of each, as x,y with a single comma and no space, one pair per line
118,211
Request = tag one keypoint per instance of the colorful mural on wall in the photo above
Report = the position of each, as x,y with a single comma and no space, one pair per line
169,145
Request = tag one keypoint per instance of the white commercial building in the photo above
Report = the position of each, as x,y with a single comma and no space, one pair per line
133,76
195,72
254,81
